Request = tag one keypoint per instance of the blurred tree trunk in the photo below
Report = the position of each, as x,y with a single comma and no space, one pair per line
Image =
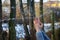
0,19
27,37
41,12
28,4
12,32
32,15
59,34
53,29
